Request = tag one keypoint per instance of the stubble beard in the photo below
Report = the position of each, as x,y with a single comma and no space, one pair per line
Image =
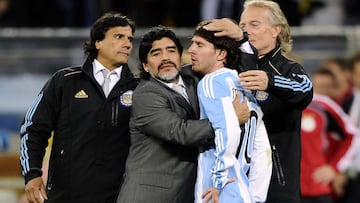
168,77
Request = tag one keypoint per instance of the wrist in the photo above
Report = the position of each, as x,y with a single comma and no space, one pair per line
244,38
33,173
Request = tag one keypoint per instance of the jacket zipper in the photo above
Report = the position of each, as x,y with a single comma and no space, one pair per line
50,184
277,165
114,113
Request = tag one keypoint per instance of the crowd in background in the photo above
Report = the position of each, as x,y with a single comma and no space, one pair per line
174,13
330,129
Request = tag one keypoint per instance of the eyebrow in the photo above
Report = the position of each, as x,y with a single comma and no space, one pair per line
157,49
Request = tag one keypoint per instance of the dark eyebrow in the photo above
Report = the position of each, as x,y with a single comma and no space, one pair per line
122,35
154,50
171,47
168,47
118,34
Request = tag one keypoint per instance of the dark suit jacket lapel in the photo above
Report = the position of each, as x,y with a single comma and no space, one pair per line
180,99
192,94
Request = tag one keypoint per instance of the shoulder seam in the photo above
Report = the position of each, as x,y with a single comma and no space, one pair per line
72,73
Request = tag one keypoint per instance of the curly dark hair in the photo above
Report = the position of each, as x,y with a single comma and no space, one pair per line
101,26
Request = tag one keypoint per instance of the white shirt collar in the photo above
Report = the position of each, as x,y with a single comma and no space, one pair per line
97,70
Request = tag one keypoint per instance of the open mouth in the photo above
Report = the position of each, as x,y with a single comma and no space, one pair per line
194,61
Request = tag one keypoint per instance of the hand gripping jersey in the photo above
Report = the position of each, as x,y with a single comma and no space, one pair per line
241,151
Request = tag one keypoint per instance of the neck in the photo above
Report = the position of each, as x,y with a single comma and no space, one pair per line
214,68
108,66
263,52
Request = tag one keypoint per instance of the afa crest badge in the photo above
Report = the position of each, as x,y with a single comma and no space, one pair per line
261,95
126,98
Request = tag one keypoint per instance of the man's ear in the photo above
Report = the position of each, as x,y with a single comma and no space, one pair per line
98,44
222,55
276,31
145,66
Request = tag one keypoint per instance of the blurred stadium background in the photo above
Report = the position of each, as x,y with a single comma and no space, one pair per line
31,52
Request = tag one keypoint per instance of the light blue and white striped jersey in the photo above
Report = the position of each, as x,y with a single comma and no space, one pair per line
242,152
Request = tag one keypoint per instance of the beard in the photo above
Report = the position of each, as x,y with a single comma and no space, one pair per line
168,76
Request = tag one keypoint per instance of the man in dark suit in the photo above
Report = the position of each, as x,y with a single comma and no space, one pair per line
165,131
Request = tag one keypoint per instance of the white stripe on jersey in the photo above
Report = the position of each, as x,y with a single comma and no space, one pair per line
216,92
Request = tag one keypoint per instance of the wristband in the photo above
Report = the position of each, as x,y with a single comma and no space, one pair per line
245,37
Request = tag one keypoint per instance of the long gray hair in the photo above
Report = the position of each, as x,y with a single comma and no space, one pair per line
276,17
